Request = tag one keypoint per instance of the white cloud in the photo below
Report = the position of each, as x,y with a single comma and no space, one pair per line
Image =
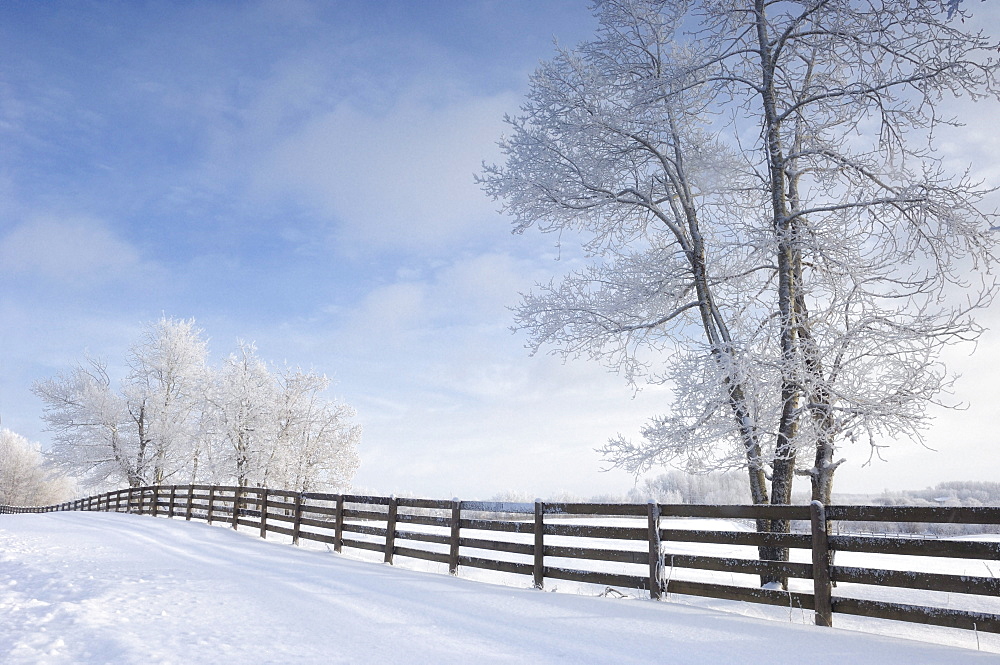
68,250
402,179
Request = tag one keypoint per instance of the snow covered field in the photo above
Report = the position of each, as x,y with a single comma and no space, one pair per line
81,587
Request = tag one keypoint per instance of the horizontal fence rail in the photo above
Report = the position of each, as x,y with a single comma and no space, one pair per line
577,541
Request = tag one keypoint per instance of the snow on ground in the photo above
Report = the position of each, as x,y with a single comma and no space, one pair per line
788,613
81,587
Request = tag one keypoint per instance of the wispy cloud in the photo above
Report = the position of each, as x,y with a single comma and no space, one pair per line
72,251
401,179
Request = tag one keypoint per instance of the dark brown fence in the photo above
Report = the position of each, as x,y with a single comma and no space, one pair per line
578,541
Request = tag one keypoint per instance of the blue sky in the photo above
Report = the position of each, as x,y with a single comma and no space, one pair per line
300,174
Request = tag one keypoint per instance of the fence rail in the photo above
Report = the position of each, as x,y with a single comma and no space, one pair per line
559,541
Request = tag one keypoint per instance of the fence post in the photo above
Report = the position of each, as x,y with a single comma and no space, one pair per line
211,502
262,493
190,503
821,565
655,555
338,533
538,572
173,499
128,500
390,530
236,506
456,529
156,500
297,523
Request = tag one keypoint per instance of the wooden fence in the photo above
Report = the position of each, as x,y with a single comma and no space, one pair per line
560,541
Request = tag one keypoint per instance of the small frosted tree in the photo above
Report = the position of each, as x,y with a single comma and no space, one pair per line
164,393
240,413
25,478
278,429
92,433
316,443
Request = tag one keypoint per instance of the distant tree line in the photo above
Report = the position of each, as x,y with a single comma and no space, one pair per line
704,488
952,493
175,419
672,486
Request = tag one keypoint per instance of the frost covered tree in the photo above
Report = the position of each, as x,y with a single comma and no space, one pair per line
240,407
175,419
164,393
25,478
316,443
92,434
141,434
278,429
772,233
